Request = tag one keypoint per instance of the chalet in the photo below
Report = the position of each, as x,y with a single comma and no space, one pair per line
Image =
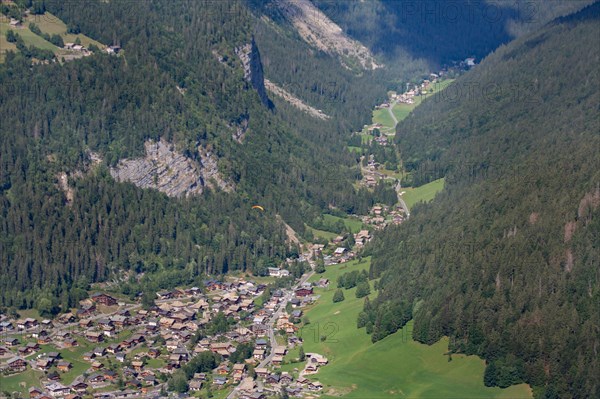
223,369
94,336
261,372
137,365
319,359
260,329
67,318
120,321
277,360
43,337
27,323
47,323
120,357
273,379
35,392
303,292
57,389
43,364
15,23
315,386
323,283
96,378
86,311
11,342
6,326
280,350
88,356
103,299
86,323
162,295
96,365
110,375
153,353
113,50
339,251
286,378
247,385
113,348
195,385
258,354
70,342
138,338
220,381
79,387
3,350
32,346
64,366
277,272
219,347
73,396
99,351
109,331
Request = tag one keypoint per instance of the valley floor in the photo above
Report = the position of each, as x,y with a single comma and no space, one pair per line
395,367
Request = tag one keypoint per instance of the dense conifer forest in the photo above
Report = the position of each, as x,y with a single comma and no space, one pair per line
505,259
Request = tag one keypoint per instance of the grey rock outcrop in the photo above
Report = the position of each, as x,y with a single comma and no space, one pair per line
169,171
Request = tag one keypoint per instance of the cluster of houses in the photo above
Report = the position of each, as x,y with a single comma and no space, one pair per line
381,216
113,332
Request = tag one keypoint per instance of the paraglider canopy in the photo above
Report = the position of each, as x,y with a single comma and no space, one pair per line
258,207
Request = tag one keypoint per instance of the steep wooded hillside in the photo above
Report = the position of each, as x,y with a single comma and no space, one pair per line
506,260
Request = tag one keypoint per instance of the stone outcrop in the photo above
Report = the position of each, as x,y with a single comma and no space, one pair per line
169,171
295,101
253,70
321,32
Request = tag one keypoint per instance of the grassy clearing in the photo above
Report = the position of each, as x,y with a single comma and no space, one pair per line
51,24
396,367
21,382
47,23
322,233
423,193
354,225
383,116
29,38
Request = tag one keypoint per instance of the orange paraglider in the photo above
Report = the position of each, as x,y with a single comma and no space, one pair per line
258,207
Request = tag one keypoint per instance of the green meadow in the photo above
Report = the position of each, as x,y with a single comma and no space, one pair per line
423,193
354,225
395,367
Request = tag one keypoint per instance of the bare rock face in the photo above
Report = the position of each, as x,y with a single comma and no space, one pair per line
253,70
295,101
321,32
171,172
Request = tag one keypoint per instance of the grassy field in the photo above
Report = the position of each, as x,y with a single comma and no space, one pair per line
322,233
21,382
51,24
424,193
29,38
383,116
354,225
47,23
397,366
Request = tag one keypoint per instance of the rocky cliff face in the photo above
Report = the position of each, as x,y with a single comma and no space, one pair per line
321,32
169,171
253,71
295,101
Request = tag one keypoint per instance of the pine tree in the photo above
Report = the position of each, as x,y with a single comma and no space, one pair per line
338,296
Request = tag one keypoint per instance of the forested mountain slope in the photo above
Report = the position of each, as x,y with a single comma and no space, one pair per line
506,259
441,31
65,222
